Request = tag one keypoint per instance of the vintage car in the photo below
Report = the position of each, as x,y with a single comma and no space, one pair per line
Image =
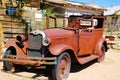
56,48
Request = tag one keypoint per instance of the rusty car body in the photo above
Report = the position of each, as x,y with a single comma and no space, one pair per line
56,48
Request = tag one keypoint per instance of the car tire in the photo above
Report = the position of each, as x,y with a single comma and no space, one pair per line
101,54
8,65
62,68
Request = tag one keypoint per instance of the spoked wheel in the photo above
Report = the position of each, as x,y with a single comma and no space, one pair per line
8,65
101,54
62,68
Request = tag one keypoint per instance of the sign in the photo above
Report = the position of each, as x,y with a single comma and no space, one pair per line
38,16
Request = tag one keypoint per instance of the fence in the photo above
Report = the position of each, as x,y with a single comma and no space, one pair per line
112,28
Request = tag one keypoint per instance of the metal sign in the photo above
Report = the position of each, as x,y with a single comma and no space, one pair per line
38,16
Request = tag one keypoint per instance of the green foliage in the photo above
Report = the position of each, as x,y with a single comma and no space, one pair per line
50,12
18,16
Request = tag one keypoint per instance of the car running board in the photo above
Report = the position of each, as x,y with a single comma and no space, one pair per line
83,60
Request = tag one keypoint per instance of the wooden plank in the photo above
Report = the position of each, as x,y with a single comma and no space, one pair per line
12,30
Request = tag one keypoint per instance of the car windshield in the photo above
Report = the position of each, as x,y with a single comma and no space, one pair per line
71,22
51,23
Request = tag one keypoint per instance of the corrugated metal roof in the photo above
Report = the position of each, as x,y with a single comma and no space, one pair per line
76,3
85,4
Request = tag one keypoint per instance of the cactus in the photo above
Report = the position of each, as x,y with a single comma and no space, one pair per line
1,39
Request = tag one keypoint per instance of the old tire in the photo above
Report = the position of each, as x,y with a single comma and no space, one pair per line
101,54
62,68
8,65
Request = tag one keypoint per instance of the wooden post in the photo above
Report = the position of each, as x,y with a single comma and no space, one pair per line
92,2
47,22
55,22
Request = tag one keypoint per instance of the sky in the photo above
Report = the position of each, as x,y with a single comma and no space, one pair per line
103,3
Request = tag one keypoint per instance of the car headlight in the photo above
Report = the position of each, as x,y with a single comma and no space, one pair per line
46,42
21,38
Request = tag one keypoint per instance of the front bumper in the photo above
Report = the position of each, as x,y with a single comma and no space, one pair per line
25,60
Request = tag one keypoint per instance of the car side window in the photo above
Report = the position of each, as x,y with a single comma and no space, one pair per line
86,25
99,23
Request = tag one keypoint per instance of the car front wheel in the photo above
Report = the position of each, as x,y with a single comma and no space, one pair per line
8,65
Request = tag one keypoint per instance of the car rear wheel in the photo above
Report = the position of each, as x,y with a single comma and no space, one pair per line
62,68
101,54
8,65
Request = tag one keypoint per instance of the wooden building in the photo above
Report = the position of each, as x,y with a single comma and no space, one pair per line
112,18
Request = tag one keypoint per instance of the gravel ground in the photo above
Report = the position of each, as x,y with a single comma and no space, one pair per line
109,69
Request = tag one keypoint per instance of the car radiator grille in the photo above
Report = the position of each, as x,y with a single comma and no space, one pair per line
35,44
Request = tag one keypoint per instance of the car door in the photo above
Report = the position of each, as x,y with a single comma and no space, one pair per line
86,38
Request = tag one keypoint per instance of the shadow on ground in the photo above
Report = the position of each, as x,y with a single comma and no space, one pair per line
37,72
76,67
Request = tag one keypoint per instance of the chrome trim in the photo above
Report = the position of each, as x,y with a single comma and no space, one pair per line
37,32
31,60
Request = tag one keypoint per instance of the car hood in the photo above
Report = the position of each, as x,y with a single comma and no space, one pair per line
58,32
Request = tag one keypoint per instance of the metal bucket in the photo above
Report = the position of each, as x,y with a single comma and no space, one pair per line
10,10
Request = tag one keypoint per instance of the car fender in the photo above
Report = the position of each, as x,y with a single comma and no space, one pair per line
12,43
58,49
99,44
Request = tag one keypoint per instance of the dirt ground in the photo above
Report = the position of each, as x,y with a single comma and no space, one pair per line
107,70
